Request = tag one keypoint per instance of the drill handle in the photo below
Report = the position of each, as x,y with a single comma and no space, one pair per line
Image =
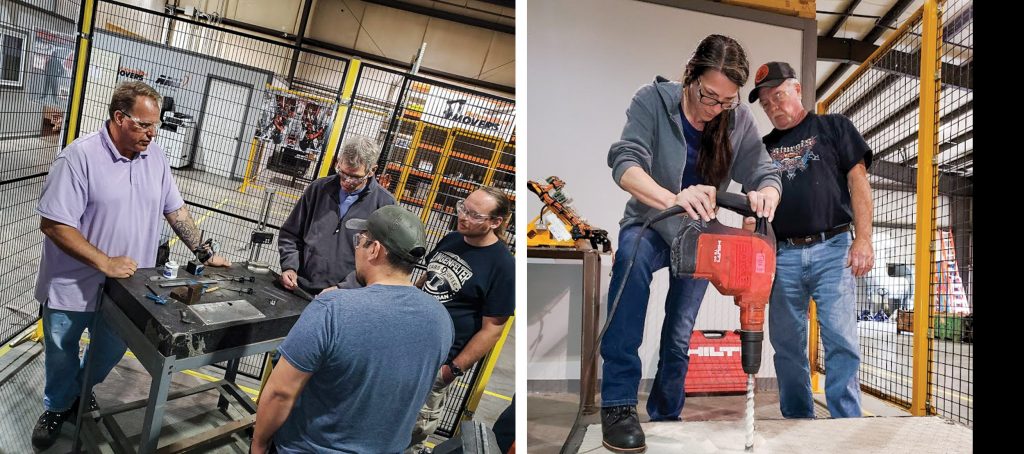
729,200
734,202
740,204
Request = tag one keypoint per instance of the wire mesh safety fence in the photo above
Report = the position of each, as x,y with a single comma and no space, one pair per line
951,297
36,57
440,142
883,100
883,104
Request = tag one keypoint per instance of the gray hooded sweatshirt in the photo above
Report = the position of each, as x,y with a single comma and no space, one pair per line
652,139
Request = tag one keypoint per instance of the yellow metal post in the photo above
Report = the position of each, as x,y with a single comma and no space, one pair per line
339,119
248,167
926,182
499,146
812,349
485,372
436,183
410,156
85,26
268,367
817,385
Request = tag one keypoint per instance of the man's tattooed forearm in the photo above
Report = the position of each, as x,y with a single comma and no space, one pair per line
185,228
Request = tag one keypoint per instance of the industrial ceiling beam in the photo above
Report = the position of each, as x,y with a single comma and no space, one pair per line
909,139
446,15
949,183
842,19
946,145
881,26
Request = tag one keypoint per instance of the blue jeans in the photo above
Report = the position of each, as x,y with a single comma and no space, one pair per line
622,368
62,331
817,271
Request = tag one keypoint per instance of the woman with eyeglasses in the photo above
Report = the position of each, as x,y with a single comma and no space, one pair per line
681,144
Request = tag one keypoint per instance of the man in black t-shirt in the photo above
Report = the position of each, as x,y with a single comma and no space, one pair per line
823,163
472,273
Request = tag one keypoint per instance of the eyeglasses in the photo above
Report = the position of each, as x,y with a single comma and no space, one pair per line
710,101
349,178
357,239
143,126
776,98
460,207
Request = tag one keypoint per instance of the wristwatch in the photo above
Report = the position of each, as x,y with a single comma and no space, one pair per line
456,371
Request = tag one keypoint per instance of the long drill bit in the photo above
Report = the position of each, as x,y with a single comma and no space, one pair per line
749,414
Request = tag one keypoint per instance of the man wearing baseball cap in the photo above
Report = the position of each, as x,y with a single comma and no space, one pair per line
358,363
824,230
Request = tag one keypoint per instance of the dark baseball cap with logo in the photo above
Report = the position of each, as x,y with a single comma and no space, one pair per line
771,74
400,231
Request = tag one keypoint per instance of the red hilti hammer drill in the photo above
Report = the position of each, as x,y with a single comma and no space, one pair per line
738,263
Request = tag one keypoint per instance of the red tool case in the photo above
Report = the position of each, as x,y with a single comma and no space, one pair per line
715,363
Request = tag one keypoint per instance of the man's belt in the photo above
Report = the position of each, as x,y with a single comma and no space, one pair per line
817,237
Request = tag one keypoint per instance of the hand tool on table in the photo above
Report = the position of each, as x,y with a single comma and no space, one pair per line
154,296
189,294
227,278
180,282
248,290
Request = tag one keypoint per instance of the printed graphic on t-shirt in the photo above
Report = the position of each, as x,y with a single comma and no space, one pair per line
446,274
790,160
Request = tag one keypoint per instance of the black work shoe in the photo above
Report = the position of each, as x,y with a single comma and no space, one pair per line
48,427
621,430
93,406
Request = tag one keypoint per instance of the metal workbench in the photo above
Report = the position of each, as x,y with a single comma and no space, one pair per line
591,307
164,344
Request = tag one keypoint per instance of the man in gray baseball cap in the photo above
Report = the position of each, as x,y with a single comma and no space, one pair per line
400,231
367,356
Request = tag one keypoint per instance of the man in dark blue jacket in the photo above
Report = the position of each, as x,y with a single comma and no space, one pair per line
315,246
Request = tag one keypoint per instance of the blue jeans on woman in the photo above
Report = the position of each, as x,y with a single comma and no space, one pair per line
62,331
817,271
622,368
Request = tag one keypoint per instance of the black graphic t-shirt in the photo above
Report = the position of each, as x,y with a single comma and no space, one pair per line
813,159
472,282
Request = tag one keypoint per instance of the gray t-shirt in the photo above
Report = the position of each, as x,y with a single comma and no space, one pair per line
373,353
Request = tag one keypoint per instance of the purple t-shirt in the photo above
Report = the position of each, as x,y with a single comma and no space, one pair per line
117,204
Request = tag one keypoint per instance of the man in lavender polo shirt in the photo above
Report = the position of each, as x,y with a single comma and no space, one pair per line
100,211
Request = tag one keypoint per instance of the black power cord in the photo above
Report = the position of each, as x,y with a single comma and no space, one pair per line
575,439
732,201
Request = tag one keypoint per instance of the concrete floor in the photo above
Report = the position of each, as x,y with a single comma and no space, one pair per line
887,365
836,436
714,424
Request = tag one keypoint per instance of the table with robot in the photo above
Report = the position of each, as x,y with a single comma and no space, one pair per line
234,312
